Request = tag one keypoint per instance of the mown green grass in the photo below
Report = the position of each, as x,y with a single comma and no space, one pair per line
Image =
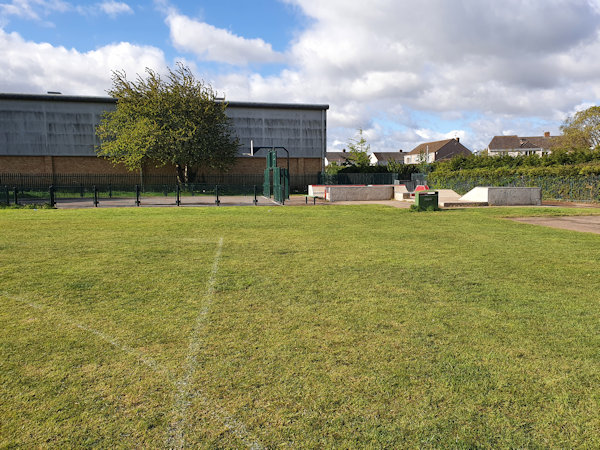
328,326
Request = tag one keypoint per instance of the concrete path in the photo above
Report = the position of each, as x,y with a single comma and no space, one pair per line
295,200
162,201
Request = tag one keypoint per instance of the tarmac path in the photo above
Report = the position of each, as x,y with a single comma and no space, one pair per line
589,224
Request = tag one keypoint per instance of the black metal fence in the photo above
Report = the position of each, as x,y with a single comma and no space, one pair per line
80,182
148,195
117,182
358,178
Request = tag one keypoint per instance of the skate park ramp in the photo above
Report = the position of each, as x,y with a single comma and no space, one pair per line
504,196
447,196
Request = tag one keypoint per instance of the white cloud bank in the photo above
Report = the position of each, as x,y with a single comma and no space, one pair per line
215,44
40,67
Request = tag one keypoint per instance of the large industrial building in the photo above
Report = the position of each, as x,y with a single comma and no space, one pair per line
55,134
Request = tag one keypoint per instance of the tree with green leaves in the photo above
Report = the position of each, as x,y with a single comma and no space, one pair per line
582,130
358,146
176,120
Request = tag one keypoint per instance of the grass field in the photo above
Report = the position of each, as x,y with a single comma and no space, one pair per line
332,326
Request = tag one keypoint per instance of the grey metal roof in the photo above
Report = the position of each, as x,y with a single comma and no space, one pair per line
276,105
56,98
98,99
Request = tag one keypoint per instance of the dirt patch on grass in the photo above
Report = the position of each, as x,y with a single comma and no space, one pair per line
589,224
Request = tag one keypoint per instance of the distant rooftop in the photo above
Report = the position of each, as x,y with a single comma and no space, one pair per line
389,156
545,142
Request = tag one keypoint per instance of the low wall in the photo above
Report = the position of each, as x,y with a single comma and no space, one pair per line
505,196
359,193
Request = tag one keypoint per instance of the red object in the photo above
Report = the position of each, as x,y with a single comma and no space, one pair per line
422,188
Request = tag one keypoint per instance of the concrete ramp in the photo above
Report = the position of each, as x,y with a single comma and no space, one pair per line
504,196
400,192
316,190
447,196
476,195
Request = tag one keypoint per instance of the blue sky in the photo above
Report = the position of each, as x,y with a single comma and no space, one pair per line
404,72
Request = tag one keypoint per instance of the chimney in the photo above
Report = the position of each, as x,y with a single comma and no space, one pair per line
343,150
546,134
457,139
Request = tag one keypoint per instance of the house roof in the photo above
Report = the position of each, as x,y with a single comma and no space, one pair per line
514,142
431,147
338,157
389,156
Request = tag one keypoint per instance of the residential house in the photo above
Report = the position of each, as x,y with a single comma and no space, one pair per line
382,158
340,158
515,145
436,151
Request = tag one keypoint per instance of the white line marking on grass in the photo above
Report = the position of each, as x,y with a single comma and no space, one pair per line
176,435
140,356
183,395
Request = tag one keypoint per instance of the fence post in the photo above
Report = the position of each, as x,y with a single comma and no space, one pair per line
110,191
16,194
282,187
177,202
217,201
255,199
137,195
52,199
81,189
95,196
7,192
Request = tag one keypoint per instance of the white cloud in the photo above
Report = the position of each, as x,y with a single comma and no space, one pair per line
110,7
215,44
113,8
39,9
31,9
40,67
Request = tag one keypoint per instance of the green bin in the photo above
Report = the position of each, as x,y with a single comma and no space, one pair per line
426,200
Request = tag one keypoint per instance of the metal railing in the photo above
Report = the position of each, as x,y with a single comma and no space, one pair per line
191,194
358,178
298,183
